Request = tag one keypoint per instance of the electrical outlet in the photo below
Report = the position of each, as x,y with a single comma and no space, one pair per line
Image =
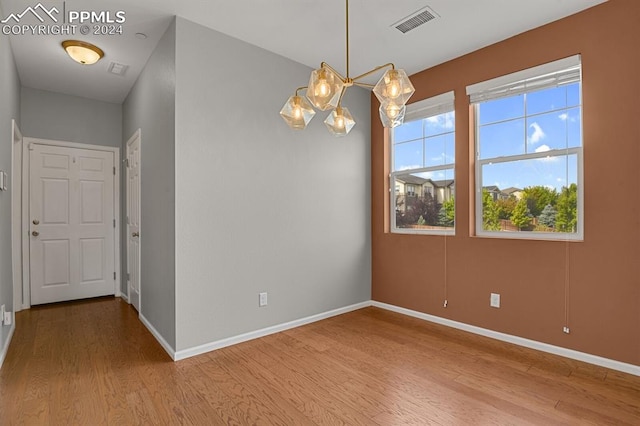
7,318
263,300
2,314
495,300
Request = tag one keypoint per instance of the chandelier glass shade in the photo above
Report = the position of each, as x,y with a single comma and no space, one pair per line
340,122
327,87
297,112
392,115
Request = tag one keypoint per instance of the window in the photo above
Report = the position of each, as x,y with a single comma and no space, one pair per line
422,168
529,153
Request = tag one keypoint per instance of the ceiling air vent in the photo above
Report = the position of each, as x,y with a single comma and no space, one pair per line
117,69
416,19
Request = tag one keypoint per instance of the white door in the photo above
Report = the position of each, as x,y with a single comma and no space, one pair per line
72,223
133,219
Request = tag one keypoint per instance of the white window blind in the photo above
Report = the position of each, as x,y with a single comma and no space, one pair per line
429,107
553,74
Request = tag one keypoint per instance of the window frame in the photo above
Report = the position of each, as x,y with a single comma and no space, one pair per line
513,85
421,110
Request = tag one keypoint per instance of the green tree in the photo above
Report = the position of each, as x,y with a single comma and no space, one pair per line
548,216
506,206
521,216
567,207
421,221
538,197
446,216
490,213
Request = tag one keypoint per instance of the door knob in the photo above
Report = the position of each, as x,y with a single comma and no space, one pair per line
35,233
135,234
36,222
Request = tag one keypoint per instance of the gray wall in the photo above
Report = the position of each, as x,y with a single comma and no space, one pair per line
49,115
150,106
9,109
260,207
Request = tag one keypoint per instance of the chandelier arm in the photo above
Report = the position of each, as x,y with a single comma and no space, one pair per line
347,33
366,85
344,89
300,88
326,65
376,69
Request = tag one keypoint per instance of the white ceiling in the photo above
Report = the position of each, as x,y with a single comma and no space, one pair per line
307,31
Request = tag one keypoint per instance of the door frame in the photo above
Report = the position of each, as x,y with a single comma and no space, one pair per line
16,215
27,143
136,135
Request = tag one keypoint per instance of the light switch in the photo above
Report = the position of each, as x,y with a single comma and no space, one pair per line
3,180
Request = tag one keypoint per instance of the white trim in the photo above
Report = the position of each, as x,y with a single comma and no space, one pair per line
5,348
520,341
234,340
532,344
165,345
16,212
77,145
124,297
26,272
434,232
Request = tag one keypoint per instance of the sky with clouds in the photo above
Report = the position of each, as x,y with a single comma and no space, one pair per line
537,122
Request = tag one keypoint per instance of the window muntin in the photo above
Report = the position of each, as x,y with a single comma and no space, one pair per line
423,158
530,143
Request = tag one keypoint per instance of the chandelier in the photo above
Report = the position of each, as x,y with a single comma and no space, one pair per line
327,88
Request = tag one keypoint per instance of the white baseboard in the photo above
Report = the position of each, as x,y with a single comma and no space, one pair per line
5,347
165,345
219,344
124,297
532,344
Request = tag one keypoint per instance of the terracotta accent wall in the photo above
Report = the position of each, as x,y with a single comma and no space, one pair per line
603,288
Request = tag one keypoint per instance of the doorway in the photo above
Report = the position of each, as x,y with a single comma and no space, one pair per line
133,219
73,220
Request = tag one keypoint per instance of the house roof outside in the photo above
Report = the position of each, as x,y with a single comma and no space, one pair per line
491,188
411,179
511,190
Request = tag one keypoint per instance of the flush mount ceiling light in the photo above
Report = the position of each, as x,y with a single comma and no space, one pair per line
327,88
82,52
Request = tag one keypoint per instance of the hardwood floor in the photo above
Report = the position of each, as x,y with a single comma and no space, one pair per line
93,362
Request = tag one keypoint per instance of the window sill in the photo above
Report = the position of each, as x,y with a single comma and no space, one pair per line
534,236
